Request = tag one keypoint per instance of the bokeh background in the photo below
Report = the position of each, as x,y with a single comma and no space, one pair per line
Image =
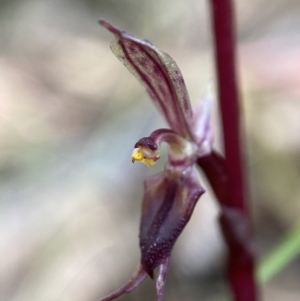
70,114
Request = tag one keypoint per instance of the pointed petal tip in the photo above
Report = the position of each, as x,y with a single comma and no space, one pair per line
129,286
113,29
150,273
162,278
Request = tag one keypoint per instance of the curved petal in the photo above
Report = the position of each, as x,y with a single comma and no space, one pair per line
129,286
159,73
181,151
169,200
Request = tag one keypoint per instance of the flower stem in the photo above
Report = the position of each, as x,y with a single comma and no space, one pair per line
224,41
226,176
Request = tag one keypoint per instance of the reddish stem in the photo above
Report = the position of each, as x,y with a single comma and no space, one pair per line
224,40
235,228
226,177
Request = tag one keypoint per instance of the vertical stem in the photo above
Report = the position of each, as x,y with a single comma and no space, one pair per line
234,218
224,41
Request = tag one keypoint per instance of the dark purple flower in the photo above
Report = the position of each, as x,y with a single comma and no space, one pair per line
170,196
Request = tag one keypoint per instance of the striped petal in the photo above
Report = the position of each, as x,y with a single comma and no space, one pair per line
159,73
169,201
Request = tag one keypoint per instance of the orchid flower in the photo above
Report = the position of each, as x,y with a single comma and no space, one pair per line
170,196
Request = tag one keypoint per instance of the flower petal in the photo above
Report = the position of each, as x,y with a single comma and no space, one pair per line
159,73
128,287
169,200
161,279
202,125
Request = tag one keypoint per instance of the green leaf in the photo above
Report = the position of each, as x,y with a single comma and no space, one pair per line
280,257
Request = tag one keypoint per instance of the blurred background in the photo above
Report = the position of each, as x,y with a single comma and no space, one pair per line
70,114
